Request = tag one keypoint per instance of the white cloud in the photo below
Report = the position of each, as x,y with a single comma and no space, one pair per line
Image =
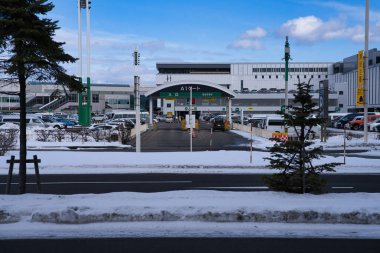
111,55
246,44
352,11
256,33
250,39
311,29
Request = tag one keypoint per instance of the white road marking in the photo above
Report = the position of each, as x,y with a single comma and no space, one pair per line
234,187
342,187
114,182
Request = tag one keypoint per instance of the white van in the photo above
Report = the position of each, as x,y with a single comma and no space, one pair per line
31,120
273,123
122,115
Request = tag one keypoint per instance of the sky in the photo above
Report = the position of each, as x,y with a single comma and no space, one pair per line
227,31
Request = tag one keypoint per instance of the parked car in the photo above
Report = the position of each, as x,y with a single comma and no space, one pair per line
263,90
50,122
273,90
355,122
67,122
222,116
99,118
99,127
161,118
218,124
358,122
372,125
31,120
169,119
345,119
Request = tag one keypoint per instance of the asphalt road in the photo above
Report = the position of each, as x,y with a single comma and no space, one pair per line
169,137
158,182
191,245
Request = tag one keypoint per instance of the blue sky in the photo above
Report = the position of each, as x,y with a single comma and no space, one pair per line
213,31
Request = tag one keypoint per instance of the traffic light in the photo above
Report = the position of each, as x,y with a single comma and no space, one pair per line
136,58
193,101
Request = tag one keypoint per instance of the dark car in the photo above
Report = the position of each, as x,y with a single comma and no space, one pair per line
345,119
218,124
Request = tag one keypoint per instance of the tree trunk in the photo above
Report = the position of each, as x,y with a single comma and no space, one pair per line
302,154
23,151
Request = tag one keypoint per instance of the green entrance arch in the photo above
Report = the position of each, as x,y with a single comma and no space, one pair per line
206,96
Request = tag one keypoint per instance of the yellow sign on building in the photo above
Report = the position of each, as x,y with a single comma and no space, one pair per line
360,96
360,68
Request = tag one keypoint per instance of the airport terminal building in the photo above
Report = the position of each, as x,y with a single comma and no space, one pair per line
254,88
258,88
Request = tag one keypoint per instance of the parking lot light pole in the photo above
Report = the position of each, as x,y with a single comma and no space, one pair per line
136,63
366,74
190,118
286,58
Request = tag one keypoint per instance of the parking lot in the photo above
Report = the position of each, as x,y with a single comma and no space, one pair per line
170,137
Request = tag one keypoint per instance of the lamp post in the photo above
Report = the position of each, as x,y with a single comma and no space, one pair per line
136,63
84,110
190,118
366,74
286,58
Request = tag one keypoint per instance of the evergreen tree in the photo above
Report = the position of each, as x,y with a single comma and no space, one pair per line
293,158
28,51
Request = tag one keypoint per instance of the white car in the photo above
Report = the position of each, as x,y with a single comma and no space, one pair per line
169,119
372,125
99,117
53,123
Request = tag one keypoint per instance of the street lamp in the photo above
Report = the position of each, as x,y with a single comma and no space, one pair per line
366,74
286,58
84,110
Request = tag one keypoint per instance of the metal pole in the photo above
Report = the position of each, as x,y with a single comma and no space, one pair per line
242,116
88,51
151,111
190,119
344,146
138,124
287,57
230,112
366,74
211,139
80,96
250,157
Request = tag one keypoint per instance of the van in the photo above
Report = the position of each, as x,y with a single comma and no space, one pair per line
31,120
127,114
273,123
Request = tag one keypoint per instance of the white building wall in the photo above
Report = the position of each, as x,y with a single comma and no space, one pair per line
347,83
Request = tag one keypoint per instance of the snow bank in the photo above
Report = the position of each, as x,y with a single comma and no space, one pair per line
63,162
201,206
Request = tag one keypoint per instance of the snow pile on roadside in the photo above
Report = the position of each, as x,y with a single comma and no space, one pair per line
202,206
58,162
333,142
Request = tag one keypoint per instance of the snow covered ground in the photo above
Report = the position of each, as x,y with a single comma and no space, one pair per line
189,213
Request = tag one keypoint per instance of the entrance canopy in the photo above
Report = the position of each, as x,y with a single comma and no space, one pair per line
181,89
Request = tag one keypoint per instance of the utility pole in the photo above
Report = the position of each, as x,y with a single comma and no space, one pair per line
286,58
88,100
84,111
366,74
136,63
190,118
